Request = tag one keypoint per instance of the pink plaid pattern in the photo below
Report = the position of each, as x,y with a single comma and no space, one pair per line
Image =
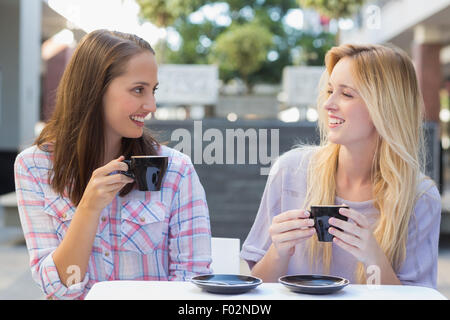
162,235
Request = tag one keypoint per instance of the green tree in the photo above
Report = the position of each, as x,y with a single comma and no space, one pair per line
242,49
163,13
196,42
289,45
333,9
195,45
311,48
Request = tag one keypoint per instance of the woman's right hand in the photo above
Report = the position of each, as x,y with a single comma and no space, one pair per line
103,186
290,228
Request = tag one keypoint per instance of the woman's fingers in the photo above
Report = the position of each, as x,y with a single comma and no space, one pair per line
109,184
347,247
289,215
293,235
116,178
291,225
113,188
114,165
345,237
289,228
356,216
346,226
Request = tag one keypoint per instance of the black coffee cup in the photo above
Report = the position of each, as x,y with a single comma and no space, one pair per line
147,171
321,214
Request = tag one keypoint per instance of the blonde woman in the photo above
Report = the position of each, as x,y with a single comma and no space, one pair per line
371,157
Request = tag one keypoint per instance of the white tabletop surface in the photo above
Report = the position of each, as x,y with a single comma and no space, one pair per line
177,290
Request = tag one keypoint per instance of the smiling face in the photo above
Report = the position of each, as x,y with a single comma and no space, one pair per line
129,98
349,121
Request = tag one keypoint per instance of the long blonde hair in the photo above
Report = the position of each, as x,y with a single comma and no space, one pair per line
386,80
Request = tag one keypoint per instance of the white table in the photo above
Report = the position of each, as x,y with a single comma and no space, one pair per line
177,290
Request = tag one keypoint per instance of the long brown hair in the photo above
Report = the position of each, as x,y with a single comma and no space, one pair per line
75,132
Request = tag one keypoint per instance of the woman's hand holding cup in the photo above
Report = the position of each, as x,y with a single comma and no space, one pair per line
103,185
290,228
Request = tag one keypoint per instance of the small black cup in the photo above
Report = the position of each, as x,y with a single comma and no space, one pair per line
321,214
147,171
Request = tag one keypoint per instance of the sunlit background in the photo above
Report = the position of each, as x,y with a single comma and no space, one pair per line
205,74
123,15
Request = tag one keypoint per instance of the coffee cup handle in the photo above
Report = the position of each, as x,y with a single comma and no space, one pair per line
128,173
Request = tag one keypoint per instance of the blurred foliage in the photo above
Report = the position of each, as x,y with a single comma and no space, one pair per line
163,13
243,49
255,46
197,40
444,96
333,8
312,48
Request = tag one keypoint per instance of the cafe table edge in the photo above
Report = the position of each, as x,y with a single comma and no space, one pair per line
185,290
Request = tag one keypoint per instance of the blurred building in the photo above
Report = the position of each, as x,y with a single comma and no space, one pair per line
35,46
20,40
422,29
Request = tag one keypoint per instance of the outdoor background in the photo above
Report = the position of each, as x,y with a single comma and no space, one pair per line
250,68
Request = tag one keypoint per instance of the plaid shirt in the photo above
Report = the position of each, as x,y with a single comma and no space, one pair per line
162,235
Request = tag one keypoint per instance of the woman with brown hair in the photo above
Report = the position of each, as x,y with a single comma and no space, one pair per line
83,221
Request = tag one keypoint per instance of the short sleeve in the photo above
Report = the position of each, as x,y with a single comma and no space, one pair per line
258,240
420,265
285,190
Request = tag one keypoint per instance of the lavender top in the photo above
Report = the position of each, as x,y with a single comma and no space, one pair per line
286,190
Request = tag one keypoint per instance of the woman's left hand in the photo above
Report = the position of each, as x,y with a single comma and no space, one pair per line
357,238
